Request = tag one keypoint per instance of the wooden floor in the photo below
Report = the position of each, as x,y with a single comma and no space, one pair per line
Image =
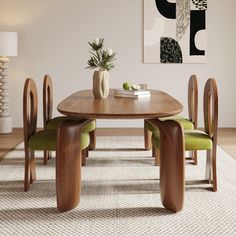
226,138
9,141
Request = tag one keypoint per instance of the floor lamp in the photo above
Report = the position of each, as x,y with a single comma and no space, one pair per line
8,47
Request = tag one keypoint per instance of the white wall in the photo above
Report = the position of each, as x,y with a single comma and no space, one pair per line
53,36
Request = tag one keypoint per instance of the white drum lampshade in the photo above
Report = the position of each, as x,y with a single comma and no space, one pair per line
8,48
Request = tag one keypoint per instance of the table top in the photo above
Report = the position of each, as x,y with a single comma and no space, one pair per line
83,104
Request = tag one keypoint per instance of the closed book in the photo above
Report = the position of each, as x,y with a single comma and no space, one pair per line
132,92
132,95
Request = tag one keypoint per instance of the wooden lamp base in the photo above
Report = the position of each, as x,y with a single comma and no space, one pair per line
5,125
5,118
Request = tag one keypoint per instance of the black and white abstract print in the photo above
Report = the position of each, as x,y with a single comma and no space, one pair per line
182,17
175,31
200,4
170,51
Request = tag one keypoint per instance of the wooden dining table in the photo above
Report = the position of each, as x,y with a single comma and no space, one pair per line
82,104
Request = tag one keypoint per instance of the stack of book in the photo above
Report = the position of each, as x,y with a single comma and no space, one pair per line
132,93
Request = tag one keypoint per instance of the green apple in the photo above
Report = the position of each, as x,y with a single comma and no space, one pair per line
135,87
126,86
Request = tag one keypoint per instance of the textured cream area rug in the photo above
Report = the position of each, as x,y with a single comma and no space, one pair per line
120,196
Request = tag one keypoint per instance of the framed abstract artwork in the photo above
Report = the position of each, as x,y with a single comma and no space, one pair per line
175,31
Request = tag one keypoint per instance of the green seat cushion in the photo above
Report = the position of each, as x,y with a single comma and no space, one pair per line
194,140
47,140
197,140
55,123
187,124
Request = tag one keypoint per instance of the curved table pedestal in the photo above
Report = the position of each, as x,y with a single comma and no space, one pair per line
82,104
172,182
68,165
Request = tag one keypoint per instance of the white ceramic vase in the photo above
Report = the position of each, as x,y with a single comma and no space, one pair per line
100,84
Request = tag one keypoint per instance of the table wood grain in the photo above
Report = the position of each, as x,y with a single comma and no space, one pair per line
83,104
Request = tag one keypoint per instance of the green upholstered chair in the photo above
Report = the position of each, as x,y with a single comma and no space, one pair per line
187,123
202,140
54,123
41,140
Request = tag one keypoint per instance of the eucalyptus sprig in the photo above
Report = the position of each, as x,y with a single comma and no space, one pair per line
100,58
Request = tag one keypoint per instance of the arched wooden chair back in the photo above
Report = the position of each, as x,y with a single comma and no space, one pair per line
47,99
210,105
193,100
30,109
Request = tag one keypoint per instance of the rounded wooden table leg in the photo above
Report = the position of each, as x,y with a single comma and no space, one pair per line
68,165
172,181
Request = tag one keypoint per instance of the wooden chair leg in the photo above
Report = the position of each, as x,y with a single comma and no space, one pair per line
194,157
30,170
27,177
208,172
214,174
147,137
157,156
84,157
92,136
211,174
32,167
47,155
